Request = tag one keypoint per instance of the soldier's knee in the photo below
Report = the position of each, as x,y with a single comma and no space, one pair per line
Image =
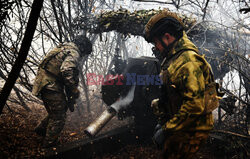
59,115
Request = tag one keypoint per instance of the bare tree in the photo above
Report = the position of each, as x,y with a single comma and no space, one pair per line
13,75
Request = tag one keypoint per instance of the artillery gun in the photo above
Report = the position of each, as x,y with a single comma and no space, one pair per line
127,94
140,75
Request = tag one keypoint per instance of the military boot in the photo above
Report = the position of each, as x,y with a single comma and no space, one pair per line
42,127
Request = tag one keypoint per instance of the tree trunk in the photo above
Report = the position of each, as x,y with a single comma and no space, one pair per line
30,30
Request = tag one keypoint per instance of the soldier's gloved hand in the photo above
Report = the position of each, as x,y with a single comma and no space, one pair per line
159,138
75,93
155,106
155,102
71,104
72,99
157,127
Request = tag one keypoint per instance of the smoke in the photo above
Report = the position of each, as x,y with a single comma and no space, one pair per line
124,101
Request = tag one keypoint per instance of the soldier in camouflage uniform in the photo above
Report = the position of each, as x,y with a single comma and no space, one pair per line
183,121
56,83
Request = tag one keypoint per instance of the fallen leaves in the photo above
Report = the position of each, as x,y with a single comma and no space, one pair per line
18,139
72,134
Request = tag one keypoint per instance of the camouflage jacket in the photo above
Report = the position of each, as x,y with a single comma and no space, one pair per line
184,78
58,69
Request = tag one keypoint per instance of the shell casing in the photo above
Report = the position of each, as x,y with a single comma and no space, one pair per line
100,122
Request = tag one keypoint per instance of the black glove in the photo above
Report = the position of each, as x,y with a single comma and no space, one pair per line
157,127
75,93
159,136
71,104
72,96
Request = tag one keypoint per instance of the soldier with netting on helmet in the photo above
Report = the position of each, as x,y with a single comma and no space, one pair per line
56,84
184,121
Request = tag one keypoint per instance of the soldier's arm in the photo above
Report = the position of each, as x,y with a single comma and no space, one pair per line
69,70
192,87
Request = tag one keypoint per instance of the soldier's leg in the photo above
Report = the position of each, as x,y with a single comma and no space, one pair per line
41,128
173,145
195,142
56,104
183,145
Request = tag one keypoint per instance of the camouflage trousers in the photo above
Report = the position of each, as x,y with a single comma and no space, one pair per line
56,106
183,145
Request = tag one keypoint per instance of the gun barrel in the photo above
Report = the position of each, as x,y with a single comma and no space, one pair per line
100,122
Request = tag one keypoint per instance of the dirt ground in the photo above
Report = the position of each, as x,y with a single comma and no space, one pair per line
18,139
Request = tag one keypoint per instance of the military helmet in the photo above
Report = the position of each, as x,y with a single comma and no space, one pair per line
161,23
83,44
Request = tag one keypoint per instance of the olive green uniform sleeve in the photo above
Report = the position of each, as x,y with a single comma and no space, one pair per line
191,85
69,69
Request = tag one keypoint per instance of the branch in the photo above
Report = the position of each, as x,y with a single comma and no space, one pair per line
154,1
231,133
57,19
205,10
31,27
245,10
